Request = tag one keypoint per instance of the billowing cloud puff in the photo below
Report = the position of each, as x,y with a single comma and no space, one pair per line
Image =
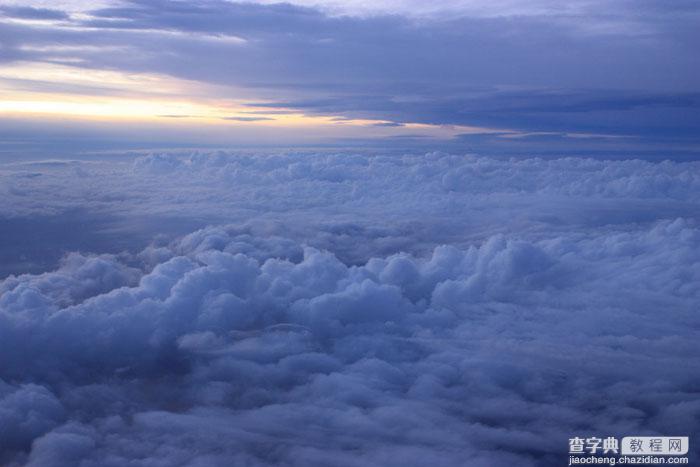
227,348
318,309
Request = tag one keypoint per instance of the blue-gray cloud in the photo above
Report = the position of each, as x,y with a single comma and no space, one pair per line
247,119
358,310
26,12
626,68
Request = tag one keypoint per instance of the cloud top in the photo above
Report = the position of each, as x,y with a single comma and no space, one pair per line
240,344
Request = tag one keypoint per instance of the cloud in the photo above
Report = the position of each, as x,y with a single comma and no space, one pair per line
290,362
27,412
247,119
623,69
355,205
177,116
388,124
27,12
634,114
356,310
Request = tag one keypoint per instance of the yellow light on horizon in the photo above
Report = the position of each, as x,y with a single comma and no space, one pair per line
26,90
111,108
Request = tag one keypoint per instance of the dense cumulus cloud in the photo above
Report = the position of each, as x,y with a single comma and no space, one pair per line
351,310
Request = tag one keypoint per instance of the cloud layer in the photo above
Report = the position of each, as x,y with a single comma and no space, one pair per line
621,74
355,205
393,310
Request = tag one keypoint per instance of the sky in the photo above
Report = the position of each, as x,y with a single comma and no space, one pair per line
528,77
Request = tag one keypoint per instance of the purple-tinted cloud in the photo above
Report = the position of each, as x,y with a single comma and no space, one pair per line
532,73
356,310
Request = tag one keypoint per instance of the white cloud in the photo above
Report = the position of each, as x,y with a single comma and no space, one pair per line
561,303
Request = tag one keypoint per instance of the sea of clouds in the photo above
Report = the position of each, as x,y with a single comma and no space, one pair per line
347,309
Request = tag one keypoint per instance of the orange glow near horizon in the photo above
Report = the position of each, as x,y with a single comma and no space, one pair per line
59,90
